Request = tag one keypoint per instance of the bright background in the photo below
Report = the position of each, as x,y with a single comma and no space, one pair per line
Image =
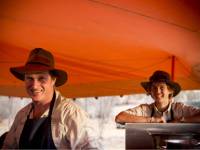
102,112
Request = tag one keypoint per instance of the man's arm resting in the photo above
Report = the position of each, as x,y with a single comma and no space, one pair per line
191,119
124,117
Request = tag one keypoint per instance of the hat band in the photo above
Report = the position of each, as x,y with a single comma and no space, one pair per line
41,59
160,80
37,63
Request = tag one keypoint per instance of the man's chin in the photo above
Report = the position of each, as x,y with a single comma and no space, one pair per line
35,98
159,99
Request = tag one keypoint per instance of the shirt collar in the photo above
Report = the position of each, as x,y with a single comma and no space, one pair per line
167,110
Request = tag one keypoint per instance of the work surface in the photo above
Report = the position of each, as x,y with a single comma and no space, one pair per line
158,135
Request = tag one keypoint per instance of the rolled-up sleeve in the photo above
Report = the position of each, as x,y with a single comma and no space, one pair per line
183,110
141,110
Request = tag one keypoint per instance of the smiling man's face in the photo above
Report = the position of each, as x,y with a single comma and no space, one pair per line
40,86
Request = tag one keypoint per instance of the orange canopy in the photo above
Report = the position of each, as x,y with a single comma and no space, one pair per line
107,47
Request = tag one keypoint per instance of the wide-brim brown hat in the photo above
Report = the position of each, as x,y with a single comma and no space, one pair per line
40,60
161,76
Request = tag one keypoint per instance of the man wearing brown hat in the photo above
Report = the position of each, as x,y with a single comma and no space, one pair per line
162,89
51,121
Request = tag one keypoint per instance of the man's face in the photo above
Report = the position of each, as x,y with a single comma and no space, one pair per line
160,92
39,86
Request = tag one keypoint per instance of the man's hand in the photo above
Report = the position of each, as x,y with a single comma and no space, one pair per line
180,120
158,120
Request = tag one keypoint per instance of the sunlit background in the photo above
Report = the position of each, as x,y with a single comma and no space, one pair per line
101,110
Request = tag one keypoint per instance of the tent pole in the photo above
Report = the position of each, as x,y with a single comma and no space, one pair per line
173,67
11,111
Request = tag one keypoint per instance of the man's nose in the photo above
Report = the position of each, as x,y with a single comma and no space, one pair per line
35,83
157,90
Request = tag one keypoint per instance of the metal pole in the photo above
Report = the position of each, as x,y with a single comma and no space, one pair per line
173,67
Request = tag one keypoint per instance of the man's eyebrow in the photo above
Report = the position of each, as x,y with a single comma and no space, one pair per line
29,77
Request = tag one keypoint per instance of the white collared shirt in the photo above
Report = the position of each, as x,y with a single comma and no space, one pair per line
179,110
71,127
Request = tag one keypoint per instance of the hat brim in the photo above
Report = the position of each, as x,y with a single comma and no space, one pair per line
19,72
175,87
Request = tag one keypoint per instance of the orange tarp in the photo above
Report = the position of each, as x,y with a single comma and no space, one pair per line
107,47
